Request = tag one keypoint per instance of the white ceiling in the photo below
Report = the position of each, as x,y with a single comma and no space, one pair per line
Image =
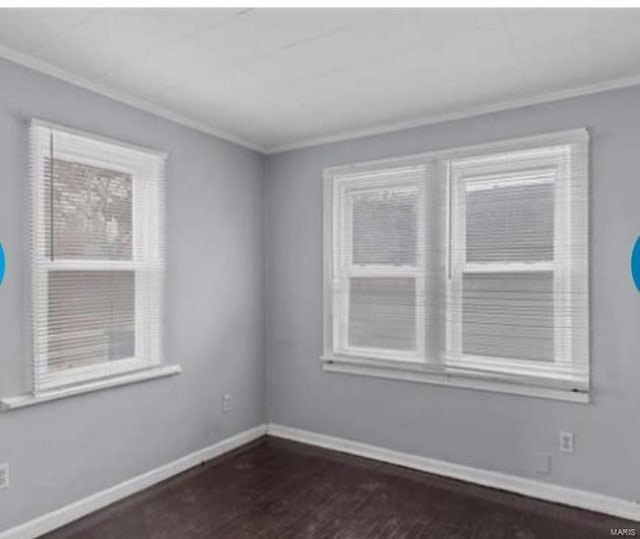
280,78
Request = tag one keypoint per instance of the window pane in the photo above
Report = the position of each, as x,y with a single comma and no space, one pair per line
508,315
91,317
385,227
92,212
510,223
382,313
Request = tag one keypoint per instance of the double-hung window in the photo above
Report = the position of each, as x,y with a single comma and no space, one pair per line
379,265
466,266
98,257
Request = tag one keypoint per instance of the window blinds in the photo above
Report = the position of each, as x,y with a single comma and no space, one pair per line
469,262
98,256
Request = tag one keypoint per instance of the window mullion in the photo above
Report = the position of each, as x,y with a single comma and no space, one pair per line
456,258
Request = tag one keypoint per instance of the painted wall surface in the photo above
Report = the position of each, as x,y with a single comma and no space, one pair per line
65,450
232,213
487,430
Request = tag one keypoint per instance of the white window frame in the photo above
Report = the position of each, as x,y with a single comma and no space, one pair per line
147,252
529,167
344,269
452,368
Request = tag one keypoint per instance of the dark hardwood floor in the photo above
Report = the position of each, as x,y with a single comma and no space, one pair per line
284,490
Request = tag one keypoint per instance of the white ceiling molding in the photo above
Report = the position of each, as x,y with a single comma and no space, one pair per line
141,104
423,121
279,80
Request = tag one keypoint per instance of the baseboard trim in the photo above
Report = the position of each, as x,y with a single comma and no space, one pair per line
520,485
51,521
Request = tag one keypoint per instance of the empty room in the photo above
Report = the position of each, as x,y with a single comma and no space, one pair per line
326,271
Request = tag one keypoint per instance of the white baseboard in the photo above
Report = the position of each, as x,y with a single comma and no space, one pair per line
527,487
76,510
520,485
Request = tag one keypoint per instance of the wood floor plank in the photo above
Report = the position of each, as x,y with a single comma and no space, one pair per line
276,489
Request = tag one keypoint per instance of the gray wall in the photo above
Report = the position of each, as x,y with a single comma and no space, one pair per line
486,430
67,449
219,234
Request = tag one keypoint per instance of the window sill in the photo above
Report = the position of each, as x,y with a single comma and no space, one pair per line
21,401
339,365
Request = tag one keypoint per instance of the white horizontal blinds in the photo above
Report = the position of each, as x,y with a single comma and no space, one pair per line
470,261
518,299
98,256
378,262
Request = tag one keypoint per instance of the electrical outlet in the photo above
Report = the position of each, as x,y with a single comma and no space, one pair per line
566,442
226,404
4,476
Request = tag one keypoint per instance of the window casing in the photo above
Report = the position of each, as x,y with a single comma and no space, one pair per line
494,281
399,266
97,257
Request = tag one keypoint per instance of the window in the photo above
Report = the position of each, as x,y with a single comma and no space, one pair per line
380,264
98,257
467,264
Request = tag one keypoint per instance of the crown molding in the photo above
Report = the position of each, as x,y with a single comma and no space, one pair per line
380,129
47,68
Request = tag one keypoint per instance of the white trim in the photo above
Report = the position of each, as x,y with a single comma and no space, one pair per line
523,167
93,137
424,121
516,377
477,151
146,168
21,401
51,521
346,188
41,66
463,380
47,68
582,499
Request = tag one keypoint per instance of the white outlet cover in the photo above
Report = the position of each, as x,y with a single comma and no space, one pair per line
226,403
566,442
4,476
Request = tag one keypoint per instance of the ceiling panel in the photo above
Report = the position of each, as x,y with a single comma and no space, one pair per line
29,29
103,42
616,52
277,77
179,62
541,28
551,68
187,22
257,34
